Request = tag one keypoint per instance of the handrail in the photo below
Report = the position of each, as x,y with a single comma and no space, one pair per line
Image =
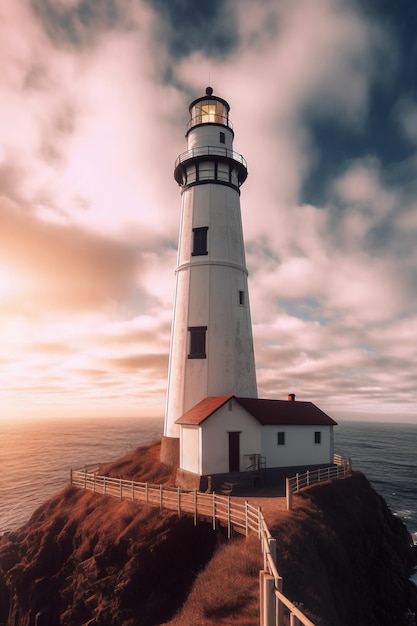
210,151
243,518
341,469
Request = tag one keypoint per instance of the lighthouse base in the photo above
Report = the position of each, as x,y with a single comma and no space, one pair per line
170,451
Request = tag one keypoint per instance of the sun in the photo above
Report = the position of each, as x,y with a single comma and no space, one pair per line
11,281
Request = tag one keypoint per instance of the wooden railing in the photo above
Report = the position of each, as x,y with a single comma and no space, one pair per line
342,467
275,608
240,517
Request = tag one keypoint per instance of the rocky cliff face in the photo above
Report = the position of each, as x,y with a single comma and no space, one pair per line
346,558
84,559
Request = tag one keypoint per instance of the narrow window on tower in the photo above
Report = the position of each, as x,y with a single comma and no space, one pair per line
241,298
222,137
200,241
197,349
281,438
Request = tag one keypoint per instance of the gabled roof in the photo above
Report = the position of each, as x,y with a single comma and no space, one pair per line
286,412
201,411
267,412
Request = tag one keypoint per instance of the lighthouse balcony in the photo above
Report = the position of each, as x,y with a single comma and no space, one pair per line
215,154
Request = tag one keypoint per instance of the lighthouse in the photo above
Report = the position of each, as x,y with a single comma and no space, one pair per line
216,427
211,351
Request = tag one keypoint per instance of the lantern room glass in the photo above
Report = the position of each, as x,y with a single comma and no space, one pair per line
209,112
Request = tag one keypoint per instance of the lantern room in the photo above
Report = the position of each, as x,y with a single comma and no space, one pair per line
209,110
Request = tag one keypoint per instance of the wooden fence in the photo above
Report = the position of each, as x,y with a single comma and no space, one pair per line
241,518
342,467
275,608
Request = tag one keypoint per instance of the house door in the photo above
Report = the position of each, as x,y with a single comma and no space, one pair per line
234,452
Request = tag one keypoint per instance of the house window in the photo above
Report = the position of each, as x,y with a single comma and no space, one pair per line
317,437
222,137
197,342
241,298
200,241
281,438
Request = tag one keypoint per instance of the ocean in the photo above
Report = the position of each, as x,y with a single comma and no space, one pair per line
36,458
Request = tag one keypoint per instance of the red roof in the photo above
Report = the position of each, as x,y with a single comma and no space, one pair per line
267,412
203,410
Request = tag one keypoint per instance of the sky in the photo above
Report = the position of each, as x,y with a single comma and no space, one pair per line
94,99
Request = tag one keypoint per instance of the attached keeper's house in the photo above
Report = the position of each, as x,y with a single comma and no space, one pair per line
228,434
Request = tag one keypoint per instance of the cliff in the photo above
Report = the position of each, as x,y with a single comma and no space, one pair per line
346,558
85,559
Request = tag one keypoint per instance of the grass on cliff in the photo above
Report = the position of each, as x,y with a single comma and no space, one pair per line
225,591
87,558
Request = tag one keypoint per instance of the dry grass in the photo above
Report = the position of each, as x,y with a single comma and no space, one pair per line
226,592
142,465
85,558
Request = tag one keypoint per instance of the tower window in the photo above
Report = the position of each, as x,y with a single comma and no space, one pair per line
281,438
197,342
200,241
241,298
317,437
222,137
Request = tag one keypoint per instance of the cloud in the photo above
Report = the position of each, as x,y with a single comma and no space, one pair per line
139,362
406,112
62,268
93,101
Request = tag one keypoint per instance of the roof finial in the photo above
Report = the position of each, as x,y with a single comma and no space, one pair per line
209,91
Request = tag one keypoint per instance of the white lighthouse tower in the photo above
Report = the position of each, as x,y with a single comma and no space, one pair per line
211,351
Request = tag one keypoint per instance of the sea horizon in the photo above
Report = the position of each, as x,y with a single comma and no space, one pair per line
36,461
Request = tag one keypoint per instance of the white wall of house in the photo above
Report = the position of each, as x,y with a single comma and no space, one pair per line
299,448
190,448
209,452
215,438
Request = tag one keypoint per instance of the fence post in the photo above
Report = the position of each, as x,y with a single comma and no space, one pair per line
104,485
214,511
308,477
179,503
146,493
297,482
261,598
71,476
246,519
268,600
228,518
94,483
195,507
273,549
294,621
279,604
288,493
